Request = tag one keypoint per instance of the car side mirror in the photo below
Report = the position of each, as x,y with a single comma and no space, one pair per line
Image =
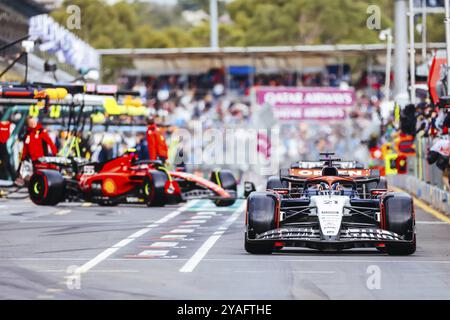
249,187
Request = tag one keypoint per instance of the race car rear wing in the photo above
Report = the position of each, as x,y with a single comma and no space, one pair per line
298,186
312,173
358,180
340,164
63,161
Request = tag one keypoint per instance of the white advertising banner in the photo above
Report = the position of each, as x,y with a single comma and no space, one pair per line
65,45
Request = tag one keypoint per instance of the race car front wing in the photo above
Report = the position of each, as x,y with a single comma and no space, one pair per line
311,237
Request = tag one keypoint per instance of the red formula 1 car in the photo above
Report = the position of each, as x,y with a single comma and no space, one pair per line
331,209
124,180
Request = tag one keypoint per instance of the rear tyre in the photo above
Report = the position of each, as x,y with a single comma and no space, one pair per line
262,208
274,182
399,209
225,179
47,187
153,188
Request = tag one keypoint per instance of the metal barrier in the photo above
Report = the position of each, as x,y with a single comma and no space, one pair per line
419,166
424,180
433,195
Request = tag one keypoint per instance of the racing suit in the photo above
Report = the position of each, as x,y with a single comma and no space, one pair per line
37,143
157,147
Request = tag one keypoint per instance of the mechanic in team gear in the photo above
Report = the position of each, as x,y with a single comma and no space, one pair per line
157,146
6,170
37,142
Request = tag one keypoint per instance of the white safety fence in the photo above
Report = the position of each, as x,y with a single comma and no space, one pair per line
434,196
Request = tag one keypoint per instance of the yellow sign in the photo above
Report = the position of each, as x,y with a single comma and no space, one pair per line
389,164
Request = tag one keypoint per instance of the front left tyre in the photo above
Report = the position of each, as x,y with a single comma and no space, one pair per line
262,212
153,188
399,218
47,187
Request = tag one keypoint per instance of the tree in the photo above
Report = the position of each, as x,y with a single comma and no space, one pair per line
120,26
201,5
285,22
254,23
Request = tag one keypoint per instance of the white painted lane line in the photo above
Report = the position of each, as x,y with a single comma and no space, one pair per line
190,265
174,236
108,252
141,232
431,222
73,221
202,217
189,226
152,253
194,221
206,213
181,231
163,244
174,214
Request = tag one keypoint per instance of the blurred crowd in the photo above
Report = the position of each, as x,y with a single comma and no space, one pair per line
182,107
180,101
431,124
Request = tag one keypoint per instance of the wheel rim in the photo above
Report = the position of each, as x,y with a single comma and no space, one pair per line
37,188
148,191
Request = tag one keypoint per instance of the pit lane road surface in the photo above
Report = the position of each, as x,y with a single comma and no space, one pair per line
195,251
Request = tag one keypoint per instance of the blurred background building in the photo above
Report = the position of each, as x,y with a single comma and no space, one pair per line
50,4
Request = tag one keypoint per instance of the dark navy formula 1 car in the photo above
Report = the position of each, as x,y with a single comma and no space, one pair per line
329,208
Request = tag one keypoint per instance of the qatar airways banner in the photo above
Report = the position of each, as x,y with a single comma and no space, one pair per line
306,103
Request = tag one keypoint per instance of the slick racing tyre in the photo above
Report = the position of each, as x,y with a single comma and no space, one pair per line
225,179
47,187
399,215
274,182
262,211
153,188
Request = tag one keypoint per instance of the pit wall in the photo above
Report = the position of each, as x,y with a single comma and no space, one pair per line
432,195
